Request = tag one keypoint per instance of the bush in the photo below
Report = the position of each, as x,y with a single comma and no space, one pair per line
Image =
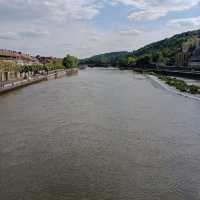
180,84
194,89
143,61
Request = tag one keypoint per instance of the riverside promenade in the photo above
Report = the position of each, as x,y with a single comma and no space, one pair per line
13,85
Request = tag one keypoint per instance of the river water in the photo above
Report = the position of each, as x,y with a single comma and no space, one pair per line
101,135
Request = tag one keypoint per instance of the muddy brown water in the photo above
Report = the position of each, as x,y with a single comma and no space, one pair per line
101,135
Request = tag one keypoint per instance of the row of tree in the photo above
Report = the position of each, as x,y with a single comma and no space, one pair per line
147,60
122,60
65,63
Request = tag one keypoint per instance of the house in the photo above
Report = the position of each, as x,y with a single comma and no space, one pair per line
182,59
194,61
9,71
17,57
44,60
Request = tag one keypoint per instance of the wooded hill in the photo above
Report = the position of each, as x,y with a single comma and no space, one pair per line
163,51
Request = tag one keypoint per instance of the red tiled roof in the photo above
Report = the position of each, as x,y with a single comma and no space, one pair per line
14,54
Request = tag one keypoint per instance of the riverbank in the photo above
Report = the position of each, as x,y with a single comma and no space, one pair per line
172,80
172,89
10,86
180,85
195,75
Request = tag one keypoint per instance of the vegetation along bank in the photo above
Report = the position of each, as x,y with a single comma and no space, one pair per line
180,84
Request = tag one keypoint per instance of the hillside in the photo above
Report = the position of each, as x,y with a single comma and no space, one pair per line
171,44
166,49
163,51
105,59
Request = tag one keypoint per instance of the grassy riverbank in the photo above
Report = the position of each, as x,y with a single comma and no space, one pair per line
180,84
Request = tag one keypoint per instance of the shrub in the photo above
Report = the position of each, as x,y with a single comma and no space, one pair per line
180,84
194,89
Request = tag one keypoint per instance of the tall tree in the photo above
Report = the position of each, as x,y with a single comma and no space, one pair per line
70,62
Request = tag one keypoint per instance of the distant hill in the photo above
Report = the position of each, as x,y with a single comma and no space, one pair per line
107,58
165,49
172,43
168,47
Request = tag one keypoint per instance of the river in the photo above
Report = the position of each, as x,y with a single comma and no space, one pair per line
101,135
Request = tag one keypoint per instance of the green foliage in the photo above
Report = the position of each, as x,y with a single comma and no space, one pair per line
32,68
132,60
103,60
70,62
163,51
194,89
123,62
180,85
143,60
156,57
56,63
106,59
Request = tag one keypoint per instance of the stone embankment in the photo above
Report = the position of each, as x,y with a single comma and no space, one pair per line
13,85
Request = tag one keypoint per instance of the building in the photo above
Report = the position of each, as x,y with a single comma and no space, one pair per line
182,58
9,71
189,54
198,41
194,61
10,62
184,53
44,60
17,57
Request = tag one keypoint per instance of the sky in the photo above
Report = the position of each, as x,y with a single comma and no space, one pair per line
88,27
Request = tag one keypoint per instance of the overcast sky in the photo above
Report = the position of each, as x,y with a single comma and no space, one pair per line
88,27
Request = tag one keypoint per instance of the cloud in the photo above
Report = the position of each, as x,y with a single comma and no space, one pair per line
65,44
95,38
51,9
79,27
9,36
130,32
185,23
136,3
148,14
33,33
23,35
154,9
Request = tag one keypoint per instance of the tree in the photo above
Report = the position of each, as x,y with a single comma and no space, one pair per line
155,57
70,62
103,60
131,60
123,62
143,61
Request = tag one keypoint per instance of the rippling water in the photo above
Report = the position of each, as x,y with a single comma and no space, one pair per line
101,135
